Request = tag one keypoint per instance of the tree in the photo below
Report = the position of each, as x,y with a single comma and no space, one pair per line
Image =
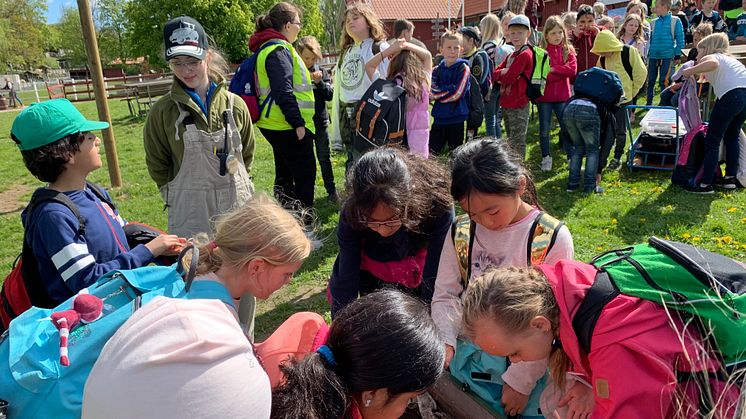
332,11
22,30
71,38
111,26
312,21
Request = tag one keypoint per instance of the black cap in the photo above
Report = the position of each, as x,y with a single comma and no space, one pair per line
472,33
184,36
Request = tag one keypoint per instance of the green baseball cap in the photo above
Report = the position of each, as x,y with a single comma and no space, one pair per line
46,122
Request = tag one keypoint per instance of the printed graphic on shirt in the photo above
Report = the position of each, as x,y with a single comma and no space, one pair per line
482,261
352,70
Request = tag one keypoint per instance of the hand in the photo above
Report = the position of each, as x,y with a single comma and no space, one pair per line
513,401
676,87
300,132
449,354
503,72
688,72
579,401
316,76
394,48
166,244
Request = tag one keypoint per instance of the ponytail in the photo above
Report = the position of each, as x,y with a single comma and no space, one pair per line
279,15
311,389
559,364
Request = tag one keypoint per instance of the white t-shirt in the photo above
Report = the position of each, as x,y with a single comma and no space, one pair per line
729,75
177,358
353,81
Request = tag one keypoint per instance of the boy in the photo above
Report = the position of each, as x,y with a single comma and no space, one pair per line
738,32
665,47
583,36
310,52
708,14
58,147
513,75
609,48
480,65
450,92
676,12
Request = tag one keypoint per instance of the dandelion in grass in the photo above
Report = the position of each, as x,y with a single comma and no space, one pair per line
733,209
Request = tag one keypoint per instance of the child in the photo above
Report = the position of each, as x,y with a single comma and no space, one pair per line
630,33
412,66
670,96
392,226
690,9
728,78
504,24
498,51
481,68
59,147
665,48
639,8
513,75
451,83
583,36
310,51
380,352
563,66
599,11
569,20
193,350
492,185
581,122
738,31
606,22
610,49
676,12
709,14
362,38
635,357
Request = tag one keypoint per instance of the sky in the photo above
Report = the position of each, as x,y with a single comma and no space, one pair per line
54,9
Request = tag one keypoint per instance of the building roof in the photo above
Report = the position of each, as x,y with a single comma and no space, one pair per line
414,10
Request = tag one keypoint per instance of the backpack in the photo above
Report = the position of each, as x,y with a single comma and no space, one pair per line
476,106
688,170
33,381
245,83
694,283
23,287
539,71
380,116
601,86
485,87
625,62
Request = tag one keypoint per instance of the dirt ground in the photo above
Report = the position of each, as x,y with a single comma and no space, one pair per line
12,199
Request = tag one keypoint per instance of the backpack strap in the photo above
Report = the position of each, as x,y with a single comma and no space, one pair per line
599,294
100,193
463,233
376,48
626,61
542,235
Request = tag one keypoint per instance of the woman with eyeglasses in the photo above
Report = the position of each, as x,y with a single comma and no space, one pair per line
199,139
392,226
287,106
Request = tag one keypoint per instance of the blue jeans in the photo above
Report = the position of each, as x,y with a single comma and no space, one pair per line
583,126
658,67
669,98
545,122
726,120
493,114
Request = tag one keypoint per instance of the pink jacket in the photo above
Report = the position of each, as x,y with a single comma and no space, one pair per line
418,123
634,354
557,88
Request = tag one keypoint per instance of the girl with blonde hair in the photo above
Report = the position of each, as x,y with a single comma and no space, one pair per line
631,34
497,50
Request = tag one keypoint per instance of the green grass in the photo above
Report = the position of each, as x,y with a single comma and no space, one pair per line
635,206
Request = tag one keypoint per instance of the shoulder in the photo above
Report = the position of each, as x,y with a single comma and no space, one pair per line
162,105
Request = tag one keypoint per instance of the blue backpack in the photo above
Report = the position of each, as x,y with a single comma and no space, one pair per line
603,87
245,83
32,380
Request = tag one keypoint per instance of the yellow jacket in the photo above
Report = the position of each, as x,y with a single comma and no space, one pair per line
606,42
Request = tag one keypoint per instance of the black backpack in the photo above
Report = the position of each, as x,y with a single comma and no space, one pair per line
476,105
380,116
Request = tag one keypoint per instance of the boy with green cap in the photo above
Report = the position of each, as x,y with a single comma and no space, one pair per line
59,147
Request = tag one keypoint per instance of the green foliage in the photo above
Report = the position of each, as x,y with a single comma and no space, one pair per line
71,38
22,33
228,22
311,19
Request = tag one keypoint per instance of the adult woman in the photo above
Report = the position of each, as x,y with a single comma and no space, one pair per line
287,116
392,226
177,358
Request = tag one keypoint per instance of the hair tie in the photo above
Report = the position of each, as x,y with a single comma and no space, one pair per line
556,344
326,353
213,245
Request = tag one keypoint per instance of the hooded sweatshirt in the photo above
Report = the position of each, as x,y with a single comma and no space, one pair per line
583,45
607,42
514,82
630,332
561,71
450,91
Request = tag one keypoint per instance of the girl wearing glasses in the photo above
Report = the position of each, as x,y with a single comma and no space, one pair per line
391,227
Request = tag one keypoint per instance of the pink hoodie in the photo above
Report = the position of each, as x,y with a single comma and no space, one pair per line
418,123
634,352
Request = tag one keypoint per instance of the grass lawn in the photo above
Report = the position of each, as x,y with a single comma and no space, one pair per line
635,206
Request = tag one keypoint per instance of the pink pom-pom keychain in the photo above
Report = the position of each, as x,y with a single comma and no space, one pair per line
86,308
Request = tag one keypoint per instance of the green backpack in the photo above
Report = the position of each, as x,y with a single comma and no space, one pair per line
535,86
703,286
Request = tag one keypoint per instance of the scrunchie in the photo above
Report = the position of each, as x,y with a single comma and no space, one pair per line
326,353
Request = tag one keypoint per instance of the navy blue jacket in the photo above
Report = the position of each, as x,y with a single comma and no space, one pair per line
450,91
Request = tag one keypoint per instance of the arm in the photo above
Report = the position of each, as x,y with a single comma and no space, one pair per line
279,65
243,120
344,284
706,64
157,148
518,67
455,92
446,305
434,248
564,70
422,53
679,35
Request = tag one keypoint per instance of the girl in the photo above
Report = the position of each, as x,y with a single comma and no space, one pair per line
189,357
637,7
496,190
287,120
727,76
381,351
498,50
569,20
527,314
563,66
631,34
392,226
504,24
412,66
362,38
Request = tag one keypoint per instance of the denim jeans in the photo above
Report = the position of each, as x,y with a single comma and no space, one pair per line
726,120
669,98
493,114
545,123
658,67
583,126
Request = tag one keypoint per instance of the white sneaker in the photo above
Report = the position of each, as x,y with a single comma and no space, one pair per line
546,164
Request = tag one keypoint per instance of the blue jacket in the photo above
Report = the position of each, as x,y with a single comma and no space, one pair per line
450,91
68,262
662,43
740,28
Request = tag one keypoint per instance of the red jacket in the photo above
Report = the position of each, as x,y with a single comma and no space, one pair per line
557,88
635,351
512,84
583,45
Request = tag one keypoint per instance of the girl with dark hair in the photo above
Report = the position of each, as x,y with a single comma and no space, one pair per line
381,351
392,226
496,191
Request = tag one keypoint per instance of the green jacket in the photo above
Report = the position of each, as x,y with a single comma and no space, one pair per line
163,154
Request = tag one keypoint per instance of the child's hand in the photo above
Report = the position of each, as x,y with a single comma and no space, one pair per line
449,354
579,401
316,76
394,48
166,244
687,72
513,401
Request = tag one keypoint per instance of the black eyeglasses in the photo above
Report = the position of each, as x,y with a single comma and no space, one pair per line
300,25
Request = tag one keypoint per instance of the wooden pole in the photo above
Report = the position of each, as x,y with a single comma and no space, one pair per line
94,63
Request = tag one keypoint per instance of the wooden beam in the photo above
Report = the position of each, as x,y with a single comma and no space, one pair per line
458,403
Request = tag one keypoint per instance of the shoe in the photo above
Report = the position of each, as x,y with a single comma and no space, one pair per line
333,197
727,182
571,190
599,189
546,164
614,164
700,189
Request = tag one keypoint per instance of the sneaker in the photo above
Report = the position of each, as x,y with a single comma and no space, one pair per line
700,189
727,182
614,164
571,190
599,189
546,164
